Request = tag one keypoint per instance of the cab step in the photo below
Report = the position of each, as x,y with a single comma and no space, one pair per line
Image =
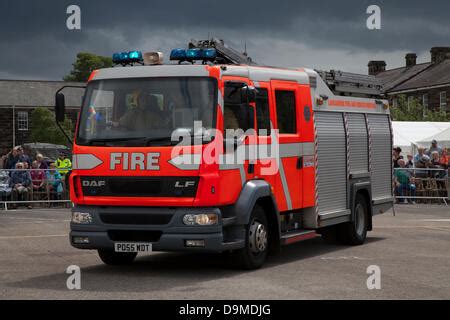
296,236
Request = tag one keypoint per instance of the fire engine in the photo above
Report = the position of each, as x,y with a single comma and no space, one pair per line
133,193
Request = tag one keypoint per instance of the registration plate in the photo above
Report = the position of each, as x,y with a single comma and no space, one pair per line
132,247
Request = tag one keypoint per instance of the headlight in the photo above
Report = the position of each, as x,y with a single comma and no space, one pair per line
200,219
81,217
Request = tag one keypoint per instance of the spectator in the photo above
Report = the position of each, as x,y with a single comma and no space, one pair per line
434,147
54,181
444,160
418,156
12,158
37,177
3,161
20,184
41,163
5,186
424,162
404,182
409,161
435,161
23,157
396,156
63,164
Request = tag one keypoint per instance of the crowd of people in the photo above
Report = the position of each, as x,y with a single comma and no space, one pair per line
21,176
432,162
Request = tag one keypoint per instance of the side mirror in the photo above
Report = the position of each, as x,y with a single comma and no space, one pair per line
60,107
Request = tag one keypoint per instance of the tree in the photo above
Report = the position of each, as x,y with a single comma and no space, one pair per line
415,111
85,64
45,130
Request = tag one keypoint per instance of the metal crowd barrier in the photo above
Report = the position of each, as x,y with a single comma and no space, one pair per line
426,184
51,192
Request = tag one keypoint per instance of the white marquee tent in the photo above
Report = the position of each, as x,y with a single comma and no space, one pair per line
443,139
408,135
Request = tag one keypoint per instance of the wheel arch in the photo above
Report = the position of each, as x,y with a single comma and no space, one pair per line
258,192
364,191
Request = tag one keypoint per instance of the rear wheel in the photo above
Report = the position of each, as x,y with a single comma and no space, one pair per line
254,254
355,232
116,258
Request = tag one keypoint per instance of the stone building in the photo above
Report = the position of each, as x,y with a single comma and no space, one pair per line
428,82
18,98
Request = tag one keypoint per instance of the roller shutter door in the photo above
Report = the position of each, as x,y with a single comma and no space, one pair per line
331,162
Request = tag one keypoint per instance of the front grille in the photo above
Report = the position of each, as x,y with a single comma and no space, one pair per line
137,219
134,235
132,186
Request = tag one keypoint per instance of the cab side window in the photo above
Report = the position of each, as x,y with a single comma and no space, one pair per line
286,117
262,112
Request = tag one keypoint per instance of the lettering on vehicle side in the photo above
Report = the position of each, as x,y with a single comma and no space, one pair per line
93,183
184,184
134,161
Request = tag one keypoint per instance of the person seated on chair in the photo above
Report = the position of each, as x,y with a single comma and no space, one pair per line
37,177
21,184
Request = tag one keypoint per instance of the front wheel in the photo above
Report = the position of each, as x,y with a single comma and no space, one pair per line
112,258
355,232
254,254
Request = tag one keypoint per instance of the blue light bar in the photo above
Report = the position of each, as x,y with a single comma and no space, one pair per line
135,56
178,54
193,54
129,57
209,54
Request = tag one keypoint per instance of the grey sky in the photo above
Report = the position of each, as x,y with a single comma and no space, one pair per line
35,43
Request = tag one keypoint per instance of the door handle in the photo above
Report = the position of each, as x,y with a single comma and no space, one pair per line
300,163
251,168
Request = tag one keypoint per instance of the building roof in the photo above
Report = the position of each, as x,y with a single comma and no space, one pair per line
390,79
436,75
37,93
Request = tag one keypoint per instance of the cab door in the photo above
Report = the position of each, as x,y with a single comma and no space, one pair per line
286,100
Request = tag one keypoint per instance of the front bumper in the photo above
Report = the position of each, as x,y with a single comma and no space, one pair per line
167,233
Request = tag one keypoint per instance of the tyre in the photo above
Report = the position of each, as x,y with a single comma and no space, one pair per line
112,258
355,232
254,254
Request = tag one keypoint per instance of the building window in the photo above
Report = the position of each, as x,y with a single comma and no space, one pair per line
22,121
262,112
286,117
395,103
410,102
443,100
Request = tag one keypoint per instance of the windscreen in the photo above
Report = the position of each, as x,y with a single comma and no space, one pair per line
145,111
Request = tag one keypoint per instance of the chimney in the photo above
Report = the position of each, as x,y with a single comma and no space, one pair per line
439,54
411,59
375,67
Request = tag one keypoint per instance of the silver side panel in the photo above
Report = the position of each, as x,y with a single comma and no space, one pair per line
381,155
331,162
358,143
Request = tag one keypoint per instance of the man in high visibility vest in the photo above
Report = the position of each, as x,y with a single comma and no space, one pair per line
63,164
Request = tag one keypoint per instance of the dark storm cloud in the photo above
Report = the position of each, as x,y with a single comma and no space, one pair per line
325,34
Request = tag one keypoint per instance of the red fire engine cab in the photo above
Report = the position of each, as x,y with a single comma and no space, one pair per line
150,169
